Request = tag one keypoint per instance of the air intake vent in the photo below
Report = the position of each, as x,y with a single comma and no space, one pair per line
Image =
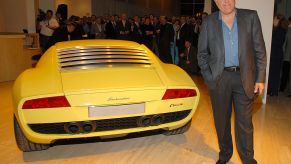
101,56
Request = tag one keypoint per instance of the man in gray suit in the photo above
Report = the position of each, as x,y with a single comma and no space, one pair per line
232,58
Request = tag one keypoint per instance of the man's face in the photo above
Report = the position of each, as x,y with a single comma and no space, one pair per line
49,15
183,20
70,28
136,18
112,18
163,19
226,7
123,17
187,44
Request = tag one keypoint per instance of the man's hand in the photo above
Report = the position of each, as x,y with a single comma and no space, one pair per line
259,88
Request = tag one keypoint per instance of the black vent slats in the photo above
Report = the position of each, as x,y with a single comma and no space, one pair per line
101,56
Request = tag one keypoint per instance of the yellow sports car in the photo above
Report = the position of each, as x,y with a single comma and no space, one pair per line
95,88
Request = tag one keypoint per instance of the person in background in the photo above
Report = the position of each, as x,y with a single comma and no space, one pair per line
110,28
60,20
286,59
85,23
123,28
232,59
100,29
136,32
185,32
47,28
166,37
276,58
156,24
188,59
174,47
69,32
93,27
148,33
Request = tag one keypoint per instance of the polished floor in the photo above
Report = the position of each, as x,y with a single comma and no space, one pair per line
272,123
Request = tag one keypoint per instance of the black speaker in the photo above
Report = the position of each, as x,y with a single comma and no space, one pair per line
63,10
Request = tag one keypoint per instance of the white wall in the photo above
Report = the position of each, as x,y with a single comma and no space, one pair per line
30,16
207,6
14,15
265,10
47,5
2,27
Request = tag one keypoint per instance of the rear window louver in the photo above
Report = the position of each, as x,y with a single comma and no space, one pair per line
77,58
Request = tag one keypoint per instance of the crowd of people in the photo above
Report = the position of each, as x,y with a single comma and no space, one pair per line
279,72
173,40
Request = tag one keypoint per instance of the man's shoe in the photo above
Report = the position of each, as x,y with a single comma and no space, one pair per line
221,162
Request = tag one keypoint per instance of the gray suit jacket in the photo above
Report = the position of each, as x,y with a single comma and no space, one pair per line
252,51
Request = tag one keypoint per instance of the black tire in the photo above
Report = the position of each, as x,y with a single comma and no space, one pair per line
23,143
180,130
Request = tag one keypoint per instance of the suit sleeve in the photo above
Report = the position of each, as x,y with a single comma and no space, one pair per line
203,52
259,49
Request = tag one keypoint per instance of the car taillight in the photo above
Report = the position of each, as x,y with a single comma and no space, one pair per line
179,93
48,102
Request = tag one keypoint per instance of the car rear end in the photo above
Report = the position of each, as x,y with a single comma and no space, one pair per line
109,89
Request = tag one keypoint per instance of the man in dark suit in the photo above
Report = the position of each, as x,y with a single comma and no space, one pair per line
166,36
123,28
184,33
188,59
110,28
232,58
136,32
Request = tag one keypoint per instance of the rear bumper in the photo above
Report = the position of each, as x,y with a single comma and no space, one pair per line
49,133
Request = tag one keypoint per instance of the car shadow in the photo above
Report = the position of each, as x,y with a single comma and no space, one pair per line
67,149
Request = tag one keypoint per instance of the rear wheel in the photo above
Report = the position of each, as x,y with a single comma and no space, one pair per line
180,130
23,143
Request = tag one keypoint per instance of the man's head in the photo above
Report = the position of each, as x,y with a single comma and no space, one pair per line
71,26
49,14
187,43
123,17
136,18
183,19
163,19
112,18
147,21
226,7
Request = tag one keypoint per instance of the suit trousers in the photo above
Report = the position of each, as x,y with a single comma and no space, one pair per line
228,93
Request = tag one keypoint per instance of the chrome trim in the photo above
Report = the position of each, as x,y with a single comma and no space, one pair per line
83,62
76,58
100,57
100,53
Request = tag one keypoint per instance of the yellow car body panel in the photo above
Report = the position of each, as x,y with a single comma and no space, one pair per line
99,86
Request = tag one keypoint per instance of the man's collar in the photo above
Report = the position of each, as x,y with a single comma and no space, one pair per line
220,16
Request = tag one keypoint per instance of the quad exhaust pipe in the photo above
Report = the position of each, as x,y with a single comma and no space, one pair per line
90,126
80,127
150,121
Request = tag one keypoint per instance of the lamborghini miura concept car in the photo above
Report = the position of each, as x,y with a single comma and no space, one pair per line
95,88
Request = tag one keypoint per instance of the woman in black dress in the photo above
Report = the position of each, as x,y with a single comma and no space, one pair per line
276,59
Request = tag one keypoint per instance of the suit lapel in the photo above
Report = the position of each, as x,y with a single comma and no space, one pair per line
220,41
241,32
